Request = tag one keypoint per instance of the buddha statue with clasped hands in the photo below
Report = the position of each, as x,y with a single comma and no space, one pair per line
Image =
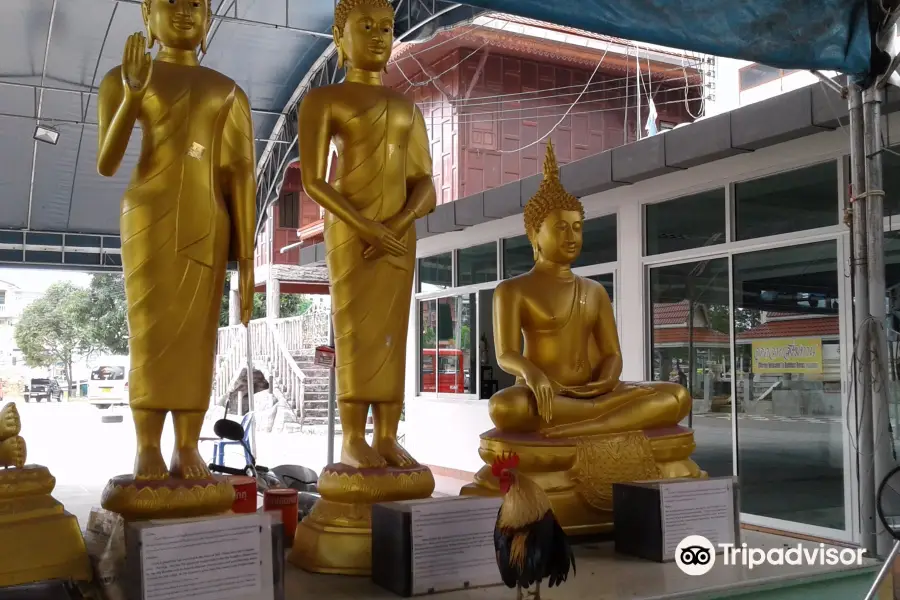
568,402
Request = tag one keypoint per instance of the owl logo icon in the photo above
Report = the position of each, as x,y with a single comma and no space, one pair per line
695,555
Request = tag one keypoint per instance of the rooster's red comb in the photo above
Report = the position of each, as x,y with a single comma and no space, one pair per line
504,462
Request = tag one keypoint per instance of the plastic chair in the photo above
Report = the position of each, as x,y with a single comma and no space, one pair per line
219,445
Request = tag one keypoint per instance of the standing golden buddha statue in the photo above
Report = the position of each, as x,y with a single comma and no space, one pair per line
189,208
39,539
382,184
576,428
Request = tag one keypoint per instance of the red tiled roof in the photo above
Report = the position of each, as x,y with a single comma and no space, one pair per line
681,335
675,313
799,327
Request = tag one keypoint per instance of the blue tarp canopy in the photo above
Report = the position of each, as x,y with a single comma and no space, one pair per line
54,54
832,35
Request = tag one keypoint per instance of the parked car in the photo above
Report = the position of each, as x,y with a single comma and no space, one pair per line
43,389
109,385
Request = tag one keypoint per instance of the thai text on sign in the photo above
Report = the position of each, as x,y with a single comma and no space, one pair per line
788,355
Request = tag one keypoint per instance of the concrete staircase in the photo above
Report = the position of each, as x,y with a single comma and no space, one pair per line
284,350
314,411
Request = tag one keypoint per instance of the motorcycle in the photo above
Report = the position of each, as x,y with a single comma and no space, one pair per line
302,479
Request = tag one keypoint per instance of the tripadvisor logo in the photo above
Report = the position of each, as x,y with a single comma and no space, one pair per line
696,555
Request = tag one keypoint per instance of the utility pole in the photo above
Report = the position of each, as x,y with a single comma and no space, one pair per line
877,340
861,373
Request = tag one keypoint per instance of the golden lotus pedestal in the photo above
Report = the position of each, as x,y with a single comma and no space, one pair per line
578,474
336,537
167,498
39,540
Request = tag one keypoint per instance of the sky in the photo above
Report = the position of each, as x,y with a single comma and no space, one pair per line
38,280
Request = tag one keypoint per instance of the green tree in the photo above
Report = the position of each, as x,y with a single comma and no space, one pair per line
55,328
108,311
292,305
465,337
744,319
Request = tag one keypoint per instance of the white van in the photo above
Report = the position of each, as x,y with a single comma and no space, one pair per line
108,384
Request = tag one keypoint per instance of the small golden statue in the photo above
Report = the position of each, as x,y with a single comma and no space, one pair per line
382,184
190,207
576,428
39,540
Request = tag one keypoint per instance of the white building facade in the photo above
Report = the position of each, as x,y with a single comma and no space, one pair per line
756,244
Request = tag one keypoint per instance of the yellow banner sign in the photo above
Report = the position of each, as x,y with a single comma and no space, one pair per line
788,355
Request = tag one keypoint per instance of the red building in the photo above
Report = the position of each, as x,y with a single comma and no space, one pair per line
488,91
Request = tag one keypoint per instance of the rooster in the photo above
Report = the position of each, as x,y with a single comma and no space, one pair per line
529,542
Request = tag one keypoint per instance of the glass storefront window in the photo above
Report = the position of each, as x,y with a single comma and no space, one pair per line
691,345
787,202
600,243
476,264
436,272
427,344
892,325
518,256
789,398
447,356
891,181
685,223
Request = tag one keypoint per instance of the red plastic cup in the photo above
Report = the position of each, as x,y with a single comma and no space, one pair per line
284,500
244,494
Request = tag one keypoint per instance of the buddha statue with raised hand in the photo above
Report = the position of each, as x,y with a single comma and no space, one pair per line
189,208
568,399
381,184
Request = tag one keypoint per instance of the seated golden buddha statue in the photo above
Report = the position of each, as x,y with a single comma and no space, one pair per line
39,540
575,426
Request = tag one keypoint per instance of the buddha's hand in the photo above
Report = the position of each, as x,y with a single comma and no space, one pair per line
399,225
381,239
591,390
544,390
137,65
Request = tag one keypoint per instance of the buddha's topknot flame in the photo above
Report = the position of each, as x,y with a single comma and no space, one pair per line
550,195
344,7
504,462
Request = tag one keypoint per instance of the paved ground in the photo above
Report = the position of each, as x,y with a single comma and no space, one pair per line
83,453
790,468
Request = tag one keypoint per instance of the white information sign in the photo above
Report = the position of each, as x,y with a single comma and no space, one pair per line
453,544
697,507
212,559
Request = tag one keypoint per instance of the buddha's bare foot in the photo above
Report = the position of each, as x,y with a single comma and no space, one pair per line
395,454
188,464
12,452
355,452
150,465
10,424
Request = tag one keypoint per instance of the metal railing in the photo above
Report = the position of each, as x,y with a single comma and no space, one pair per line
274,344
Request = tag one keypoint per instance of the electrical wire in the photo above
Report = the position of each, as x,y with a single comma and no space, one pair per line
687,106
461,110
562,118
413,84
512,95
461,120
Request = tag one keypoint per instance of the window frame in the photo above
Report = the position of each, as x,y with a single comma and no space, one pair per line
782,73
474,335
497,261
292,200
